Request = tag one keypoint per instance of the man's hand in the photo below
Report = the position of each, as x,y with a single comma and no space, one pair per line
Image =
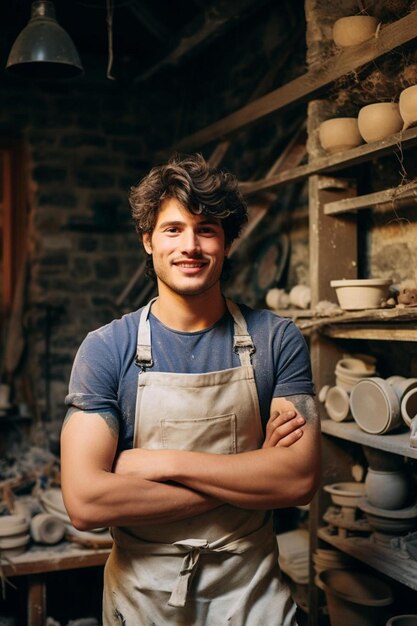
283,429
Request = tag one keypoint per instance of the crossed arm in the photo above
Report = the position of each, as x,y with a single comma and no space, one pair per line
146,486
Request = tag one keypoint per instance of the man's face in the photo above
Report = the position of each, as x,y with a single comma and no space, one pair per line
187,250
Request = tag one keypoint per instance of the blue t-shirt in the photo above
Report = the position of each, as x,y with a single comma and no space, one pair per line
104,375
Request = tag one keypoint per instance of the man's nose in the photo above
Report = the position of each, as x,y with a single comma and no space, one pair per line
190,241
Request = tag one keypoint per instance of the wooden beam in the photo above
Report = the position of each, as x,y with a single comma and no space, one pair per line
147,18
215,19
349,60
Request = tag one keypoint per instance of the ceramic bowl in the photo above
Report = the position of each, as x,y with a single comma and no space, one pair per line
339,133
353,30
361,293
408,106
375,406
409,405
346,493
379,120
337,404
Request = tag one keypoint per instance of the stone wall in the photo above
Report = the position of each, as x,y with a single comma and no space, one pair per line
86,144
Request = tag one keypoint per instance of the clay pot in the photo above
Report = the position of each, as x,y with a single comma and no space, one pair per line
354,598
408,106
353,30
300,296
386,489
339,133
361,293
380,120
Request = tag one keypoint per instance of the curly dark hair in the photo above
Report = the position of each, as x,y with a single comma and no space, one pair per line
198,187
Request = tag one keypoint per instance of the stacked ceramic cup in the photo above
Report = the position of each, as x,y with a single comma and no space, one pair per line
14,535
348,372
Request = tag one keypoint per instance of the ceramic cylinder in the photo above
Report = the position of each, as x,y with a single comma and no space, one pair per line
386,489
46,528
300,296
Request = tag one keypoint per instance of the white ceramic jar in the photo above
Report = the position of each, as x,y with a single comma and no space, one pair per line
386,489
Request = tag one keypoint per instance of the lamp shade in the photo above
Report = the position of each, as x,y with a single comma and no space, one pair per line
43,49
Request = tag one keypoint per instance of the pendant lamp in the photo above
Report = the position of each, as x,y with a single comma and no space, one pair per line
43,50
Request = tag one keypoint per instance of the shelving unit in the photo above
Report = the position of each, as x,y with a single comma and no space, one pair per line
333,213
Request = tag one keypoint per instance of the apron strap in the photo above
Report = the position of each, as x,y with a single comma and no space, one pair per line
242,341
143,349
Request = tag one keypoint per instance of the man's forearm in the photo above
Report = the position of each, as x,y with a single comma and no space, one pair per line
267,478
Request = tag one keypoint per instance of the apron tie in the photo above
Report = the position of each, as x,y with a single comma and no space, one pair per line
178,596
189,564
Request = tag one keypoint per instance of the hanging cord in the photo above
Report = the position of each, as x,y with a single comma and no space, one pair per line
109,20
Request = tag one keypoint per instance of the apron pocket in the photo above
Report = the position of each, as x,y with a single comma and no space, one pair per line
208,434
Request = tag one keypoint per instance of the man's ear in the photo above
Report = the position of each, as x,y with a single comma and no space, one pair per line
146,240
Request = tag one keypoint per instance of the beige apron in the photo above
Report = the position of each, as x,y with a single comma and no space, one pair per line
213,569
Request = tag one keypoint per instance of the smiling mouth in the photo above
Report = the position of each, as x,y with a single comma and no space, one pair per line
190,264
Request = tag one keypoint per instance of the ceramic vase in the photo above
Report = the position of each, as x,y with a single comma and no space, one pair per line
386,489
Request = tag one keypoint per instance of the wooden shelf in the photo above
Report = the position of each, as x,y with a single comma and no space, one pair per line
347,61
396,324
334,162
398,443
382,558
398,195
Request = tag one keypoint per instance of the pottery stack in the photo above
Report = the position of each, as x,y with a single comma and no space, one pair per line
388,505
348,372
14,535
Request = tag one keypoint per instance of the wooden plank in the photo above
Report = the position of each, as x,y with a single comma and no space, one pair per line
334,162
216,19
333,242
383,333
349,60
405,193
384,559
61,557
398,443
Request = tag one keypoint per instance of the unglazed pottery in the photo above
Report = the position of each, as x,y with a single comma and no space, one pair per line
354,598
379,120
386,489
390,521
408,106
337,404
46,528
361,293
339,133
346,494
375,406
409,406
353,30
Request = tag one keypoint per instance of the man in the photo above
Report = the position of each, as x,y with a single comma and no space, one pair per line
188,421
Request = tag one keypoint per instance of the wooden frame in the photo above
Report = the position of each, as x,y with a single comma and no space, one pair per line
14,217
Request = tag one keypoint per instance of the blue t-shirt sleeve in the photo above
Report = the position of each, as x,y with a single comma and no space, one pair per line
93,383
293,367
